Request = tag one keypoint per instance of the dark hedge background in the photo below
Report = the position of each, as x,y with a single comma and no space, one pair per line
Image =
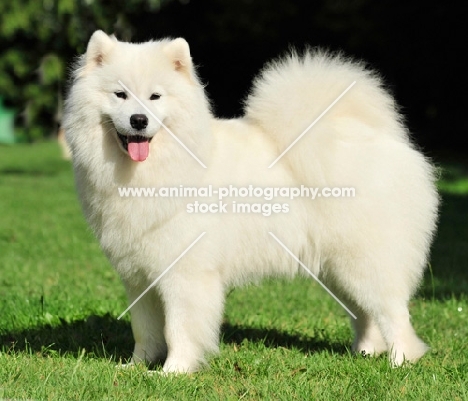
417,46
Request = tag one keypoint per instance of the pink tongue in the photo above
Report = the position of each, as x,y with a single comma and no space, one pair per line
138,151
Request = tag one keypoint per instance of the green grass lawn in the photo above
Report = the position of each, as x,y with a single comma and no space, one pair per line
59,301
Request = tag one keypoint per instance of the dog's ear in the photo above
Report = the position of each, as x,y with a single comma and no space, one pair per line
98,49
178,52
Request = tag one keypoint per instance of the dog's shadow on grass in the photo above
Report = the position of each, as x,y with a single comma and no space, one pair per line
100,336
109,338
272,338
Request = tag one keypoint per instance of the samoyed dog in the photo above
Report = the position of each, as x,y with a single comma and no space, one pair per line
137,117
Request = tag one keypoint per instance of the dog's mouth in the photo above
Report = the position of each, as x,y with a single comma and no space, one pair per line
137,146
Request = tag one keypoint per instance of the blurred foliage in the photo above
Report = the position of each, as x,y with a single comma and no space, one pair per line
416,47
38,39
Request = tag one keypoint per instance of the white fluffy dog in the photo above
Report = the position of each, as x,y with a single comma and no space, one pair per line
370,249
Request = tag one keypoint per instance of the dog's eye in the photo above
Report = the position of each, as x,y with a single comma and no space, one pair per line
121,95
155,96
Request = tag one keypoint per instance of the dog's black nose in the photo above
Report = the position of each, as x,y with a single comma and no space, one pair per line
138,121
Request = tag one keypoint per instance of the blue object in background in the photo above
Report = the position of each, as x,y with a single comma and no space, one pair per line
7,128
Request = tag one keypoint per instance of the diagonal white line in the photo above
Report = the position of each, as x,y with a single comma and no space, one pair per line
162,124
161,275
313,123
313,276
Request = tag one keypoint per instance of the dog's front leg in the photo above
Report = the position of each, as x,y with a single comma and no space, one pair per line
193,301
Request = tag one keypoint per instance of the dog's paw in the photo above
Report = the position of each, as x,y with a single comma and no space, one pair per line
368,348
162,373
401,356
125,365
180,366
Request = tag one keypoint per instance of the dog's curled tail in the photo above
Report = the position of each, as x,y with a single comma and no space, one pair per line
316,95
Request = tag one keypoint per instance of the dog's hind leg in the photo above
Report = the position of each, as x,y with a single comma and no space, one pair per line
380,291
403,343
368,337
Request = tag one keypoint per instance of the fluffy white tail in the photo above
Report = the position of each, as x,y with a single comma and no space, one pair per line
291,93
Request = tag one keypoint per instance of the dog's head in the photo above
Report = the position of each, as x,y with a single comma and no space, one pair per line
139,88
